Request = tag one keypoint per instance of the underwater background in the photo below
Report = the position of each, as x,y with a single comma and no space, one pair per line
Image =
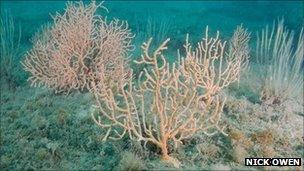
178,17
42,130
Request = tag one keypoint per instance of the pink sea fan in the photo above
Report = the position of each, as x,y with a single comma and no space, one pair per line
67,55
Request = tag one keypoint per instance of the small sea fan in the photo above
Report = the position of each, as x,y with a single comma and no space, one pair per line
69,54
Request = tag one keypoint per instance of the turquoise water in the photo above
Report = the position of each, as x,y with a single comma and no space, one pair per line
183,16
43,130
